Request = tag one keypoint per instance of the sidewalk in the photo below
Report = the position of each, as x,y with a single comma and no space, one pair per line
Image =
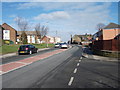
88,54
14,54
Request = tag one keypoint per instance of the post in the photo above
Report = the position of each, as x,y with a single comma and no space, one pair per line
47,42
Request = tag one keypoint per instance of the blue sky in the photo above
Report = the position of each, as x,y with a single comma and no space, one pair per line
65,18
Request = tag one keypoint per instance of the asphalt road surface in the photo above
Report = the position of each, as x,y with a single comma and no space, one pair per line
67,69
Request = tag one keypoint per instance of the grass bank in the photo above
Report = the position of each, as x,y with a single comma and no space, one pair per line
5,49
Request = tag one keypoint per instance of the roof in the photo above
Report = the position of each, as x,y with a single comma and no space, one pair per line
111,25
7,25
27,32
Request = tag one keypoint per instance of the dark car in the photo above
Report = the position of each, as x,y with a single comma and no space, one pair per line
27,49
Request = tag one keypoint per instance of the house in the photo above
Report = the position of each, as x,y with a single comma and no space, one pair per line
107,38
32,36
84,39
9,33
50,39
108,32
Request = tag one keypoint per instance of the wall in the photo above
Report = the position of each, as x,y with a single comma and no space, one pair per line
12,32
110,33
112,45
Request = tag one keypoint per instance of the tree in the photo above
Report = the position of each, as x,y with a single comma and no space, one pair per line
23,38
37,29
100,26
23,26
41,30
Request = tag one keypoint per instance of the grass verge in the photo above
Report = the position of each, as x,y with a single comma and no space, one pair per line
5,49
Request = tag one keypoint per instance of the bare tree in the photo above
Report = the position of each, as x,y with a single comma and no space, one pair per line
41,31
37,29
100,26
23,26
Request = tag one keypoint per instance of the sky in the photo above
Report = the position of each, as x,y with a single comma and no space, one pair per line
62,18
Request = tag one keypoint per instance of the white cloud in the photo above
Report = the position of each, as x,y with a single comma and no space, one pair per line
53,16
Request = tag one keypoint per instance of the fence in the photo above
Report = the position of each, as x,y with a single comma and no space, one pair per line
112,45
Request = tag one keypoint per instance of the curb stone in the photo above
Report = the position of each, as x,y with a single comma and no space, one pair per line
100,58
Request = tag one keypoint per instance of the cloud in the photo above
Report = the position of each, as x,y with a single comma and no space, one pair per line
53,16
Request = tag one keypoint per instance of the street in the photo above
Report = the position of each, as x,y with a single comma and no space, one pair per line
67,69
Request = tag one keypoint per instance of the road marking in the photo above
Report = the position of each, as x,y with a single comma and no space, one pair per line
22,63
75,70
71,80
78,64
80,57
79,60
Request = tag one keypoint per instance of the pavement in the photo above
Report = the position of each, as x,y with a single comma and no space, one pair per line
15,53
88,54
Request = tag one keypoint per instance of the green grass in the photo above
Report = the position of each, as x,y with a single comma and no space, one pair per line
14,48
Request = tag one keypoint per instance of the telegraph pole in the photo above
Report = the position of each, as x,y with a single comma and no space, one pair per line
71,39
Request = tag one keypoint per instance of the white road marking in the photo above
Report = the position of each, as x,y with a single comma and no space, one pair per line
79,60
71,80
22,62
75,70
78,64
80,57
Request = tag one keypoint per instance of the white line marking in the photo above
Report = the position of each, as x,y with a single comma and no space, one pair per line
22,63
80,57
78,64
71,80
79,60
75,70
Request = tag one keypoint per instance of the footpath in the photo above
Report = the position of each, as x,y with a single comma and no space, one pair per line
87,53
15,53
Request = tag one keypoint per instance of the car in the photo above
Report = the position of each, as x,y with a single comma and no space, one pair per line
57,45
27,49
63,45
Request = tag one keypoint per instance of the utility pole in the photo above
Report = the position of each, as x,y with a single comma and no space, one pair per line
71,39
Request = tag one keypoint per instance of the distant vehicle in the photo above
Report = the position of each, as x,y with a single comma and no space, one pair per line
27,49
64,45
57,45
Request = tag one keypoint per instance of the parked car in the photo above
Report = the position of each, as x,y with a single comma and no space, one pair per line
27,49
57,45
63,45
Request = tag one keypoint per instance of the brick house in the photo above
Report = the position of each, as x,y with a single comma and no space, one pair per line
9,33
84,39
32,37
108,32
107,38
50,39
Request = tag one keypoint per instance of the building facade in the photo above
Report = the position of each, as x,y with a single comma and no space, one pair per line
9,33
32,37
50,39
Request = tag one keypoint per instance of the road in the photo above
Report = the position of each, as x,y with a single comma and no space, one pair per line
67,69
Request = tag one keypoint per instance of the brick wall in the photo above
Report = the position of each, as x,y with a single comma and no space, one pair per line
112,45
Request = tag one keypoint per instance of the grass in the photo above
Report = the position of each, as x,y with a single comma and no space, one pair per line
5,49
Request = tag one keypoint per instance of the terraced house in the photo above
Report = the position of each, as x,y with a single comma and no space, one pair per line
32,37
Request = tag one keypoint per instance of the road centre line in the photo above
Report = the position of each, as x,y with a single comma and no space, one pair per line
79,60
71,80
75,70
80,57
78,64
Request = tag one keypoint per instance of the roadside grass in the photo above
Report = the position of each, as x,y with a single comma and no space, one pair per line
5,49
